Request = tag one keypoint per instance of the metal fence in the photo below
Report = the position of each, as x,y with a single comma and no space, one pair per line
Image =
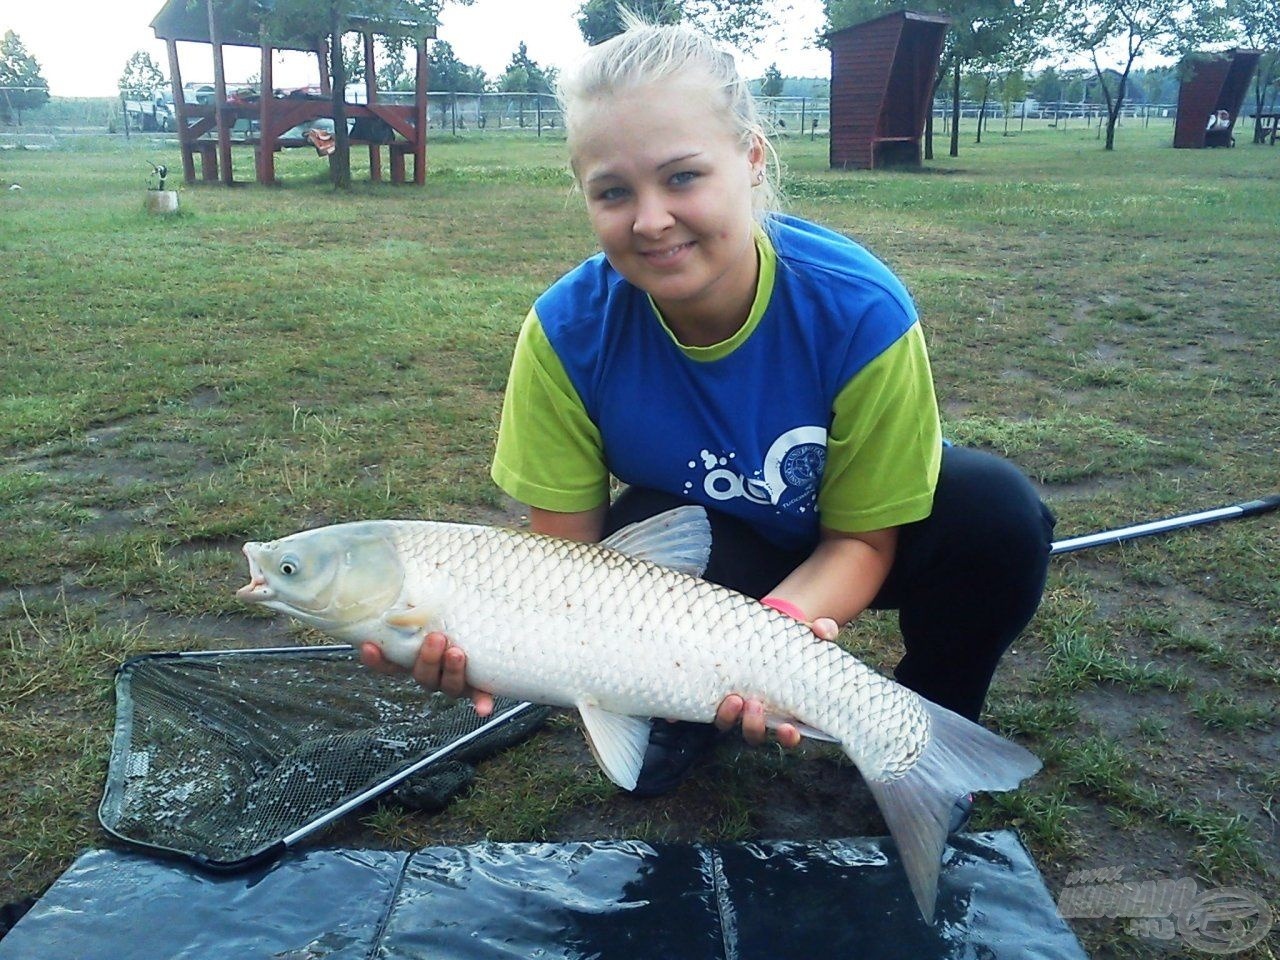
463,114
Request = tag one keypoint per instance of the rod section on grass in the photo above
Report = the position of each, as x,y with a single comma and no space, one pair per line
1249,508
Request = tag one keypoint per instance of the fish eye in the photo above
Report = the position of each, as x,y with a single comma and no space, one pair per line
289,565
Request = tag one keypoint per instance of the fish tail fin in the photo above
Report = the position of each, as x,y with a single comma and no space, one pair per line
961,757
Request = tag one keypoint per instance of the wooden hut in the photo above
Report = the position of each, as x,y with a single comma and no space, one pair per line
1212,82
882,76
263,118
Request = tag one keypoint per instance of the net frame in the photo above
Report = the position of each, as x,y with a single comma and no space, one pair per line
166,748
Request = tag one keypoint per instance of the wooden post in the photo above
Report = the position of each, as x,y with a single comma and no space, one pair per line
266,100
220,98
180,114
420,116
371,97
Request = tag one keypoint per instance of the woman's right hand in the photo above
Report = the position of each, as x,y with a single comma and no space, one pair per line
439,666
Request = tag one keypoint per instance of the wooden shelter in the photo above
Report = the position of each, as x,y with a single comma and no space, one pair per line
882,76
1212,82
262,120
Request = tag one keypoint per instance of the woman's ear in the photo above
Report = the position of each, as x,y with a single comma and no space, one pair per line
757,157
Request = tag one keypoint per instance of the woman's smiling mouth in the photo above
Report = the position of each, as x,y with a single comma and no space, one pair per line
666,254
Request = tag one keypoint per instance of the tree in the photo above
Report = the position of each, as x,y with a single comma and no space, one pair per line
773,82
1012,89
142,77
450,74
599,20
736,22
1257,25
22,87
1170,27
1047,86
524,75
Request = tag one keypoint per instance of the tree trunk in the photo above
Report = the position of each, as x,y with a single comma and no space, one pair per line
955,109
340,159
928,123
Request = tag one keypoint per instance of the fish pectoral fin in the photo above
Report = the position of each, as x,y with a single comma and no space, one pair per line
678,539
617,742
409,618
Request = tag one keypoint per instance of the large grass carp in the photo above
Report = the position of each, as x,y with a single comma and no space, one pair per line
624,631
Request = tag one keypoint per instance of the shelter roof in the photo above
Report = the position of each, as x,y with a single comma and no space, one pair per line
239,22
897,14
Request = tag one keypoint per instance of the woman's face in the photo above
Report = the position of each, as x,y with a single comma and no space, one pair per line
668,191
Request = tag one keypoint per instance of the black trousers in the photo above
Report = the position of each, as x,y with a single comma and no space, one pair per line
965,580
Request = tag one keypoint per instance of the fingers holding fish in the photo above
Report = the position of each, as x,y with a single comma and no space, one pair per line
755,728
824,628
439,666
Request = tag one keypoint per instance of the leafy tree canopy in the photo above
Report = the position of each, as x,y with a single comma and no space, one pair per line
142,77
737,22
525,75
772,84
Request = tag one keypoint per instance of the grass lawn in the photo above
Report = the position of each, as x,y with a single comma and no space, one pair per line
272,359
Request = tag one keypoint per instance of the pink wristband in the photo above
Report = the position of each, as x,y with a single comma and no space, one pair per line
787,607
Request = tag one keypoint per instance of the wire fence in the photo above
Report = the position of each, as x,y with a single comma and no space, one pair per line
539,114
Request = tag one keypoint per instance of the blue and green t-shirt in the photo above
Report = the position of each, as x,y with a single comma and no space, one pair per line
819,409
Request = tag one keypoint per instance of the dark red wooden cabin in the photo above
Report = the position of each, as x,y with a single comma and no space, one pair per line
210,129
1212,82
882,76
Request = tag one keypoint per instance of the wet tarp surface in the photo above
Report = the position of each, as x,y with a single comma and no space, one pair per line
624,899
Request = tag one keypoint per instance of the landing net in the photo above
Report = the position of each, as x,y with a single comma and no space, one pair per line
228,758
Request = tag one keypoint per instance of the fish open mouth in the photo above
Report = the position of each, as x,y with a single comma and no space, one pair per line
256,590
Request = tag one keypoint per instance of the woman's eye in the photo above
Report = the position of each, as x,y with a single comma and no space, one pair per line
683,178
610,194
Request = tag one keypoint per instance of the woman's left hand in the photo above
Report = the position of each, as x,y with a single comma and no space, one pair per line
734,709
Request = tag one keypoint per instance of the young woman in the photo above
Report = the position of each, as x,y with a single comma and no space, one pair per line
764,367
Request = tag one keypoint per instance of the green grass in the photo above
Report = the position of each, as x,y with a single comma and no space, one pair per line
271,359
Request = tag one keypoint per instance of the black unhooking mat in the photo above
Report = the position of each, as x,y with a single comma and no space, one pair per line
569,901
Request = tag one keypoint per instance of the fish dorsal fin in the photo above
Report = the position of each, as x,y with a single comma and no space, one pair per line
678,539
617,741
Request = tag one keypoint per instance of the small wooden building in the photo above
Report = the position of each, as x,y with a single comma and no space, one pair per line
882,77
262,120
1212,82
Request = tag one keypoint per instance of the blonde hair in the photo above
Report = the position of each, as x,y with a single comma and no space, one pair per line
647,53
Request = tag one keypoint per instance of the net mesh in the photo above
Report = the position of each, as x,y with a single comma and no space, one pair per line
221,756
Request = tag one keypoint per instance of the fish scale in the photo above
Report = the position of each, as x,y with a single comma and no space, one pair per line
626,630
647,619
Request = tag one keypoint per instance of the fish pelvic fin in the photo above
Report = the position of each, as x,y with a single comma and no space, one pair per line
960,758
617,741
678,539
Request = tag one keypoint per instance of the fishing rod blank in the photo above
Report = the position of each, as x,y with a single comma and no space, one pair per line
1250,508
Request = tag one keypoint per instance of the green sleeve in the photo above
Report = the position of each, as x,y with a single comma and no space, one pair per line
884,447
549,453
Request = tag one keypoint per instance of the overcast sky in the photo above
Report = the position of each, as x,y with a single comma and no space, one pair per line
83,45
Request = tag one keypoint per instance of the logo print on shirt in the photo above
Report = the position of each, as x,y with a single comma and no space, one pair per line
788,479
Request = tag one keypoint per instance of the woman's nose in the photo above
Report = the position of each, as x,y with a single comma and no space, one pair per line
652,214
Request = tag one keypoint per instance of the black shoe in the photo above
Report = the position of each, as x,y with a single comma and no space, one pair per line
960,814
673,750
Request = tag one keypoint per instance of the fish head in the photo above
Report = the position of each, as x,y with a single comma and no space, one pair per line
332,577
